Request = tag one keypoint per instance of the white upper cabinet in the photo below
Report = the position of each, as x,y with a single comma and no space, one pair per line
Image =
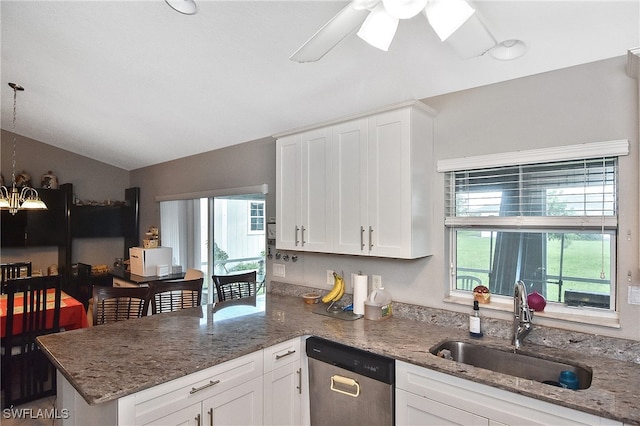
349,187
377,187
302,186
287,192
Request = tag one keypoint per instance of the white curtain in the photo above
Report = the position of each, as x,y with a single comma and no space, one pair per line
179,228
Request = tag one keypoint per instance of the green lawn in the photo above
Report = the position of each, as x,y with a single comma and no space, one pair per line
581,259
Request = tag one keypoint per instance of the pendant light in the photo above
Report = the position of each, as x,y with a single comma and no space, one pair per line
24,198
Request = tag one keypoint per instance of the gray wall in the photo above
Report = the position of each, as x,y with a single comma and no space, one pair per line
91,179
247,164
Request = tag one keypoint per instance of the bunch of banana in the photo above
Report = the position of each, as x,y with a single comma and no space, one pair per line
337,291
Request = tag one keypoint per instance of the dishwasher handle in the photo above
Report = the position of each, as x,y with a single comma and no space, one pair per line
347,382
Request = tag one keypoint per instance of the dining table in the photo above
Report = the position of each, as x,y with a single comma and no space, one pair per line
72,313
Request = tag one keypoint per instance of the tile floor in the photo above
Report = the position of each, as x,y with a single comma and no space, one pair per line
35,413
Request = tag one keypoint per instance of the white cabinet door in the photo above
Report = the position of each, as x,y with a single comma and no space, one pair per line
389,184
241,405
302,182
412,409
283,395
288,192
349,187
283,383
315,202
400,168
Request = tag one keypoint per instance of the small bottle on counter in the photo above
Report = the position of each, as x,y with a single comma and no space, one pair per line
475,329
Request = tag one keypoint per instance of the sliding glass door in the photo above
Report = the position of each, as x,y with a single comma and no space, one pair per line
234,223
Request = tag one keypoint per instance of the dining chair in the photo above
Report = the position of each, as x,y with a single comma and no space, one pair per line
33,309
192,274
169,296
13,270
467,282
111,304
240,288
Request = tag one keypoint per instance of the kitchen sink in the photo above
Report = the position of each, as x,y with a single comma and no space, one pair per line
517,364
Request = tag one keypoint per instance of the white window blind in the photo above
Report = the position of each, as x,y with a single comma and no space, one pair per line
573,193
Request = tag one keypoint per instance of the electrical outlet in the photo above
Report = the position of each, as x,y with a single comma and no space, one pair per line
330,279
278,270
376,282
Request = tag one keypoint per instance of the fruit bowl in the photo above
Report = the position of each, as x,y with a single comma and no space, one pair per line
311,298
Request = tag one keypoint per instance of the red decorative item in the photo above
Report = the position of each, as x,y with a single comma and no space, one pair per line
536,301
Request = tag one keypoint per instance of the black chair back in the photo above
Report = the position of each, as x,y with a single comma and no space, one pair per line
169,296
33,309
238,286
111,304
13,270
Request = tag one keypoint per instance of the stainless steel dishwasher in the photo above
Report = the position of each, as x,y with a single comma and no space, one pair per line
349,386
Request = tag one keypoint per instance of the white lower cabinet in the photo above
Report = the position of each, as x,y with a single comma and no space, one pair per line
283,384
425,396
241,405
269,386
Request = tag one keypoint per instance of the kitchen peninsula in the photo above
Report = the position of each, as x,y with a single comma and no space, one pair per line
126,358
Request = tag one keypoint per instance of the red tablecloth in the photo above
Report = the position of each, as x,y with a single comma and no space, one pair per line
72,313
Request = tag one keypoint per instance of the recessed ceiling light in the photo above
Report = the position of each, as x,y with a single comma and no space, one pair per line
508,50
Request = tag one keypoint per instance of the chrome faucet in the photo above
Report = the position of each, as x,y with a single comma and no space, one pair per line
522,315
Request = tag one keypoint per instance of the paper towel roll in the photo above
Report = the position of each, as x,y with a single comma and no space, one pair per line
360,290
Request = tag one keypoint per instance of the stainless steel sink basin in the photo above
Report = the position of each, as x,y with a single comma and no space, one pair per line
515,364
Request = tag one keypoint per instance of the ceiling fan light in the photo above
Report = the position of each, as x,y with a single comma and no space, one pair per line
379,28
404,9
472,39
188,7
446,16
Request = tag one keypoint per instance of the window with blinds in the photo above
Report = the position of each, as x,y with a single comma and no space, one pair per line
550,224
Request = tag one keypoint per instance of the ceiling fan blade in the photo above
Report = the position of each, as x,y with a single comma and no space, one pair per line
332,33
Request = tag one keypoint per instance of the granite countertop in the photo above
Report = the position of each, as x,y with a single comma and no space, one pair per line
111,361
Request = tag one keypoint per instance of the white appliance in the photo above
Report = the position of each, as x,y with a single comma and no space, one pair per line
145,261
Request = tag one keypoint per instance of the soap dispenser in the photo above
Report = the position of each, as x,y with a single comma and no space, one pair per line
475,329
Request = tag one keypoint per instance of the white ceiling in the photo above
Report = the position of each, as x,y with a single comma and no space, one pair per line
134,83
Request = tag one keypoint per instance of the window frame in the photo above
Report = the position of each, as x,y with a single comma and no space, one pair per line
250,218
600,316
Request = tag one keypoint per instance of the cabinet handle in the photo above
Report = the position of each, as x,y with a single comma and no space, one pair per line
302,232
208,385
370,238
299,387
296,238
197,420
361,238
287,354
210,416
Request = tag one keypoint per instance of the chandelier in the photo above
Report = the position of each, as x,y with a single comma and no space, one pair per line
24,198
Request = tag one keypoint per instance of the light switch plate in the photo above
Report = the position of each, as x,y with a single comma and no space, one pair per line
271,231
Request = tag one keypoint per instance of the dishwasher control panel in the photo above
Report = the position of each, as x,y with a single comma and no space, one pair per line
368,364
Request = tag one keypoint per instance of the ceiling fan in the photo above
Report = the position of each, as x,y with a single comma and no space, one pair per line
452,20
